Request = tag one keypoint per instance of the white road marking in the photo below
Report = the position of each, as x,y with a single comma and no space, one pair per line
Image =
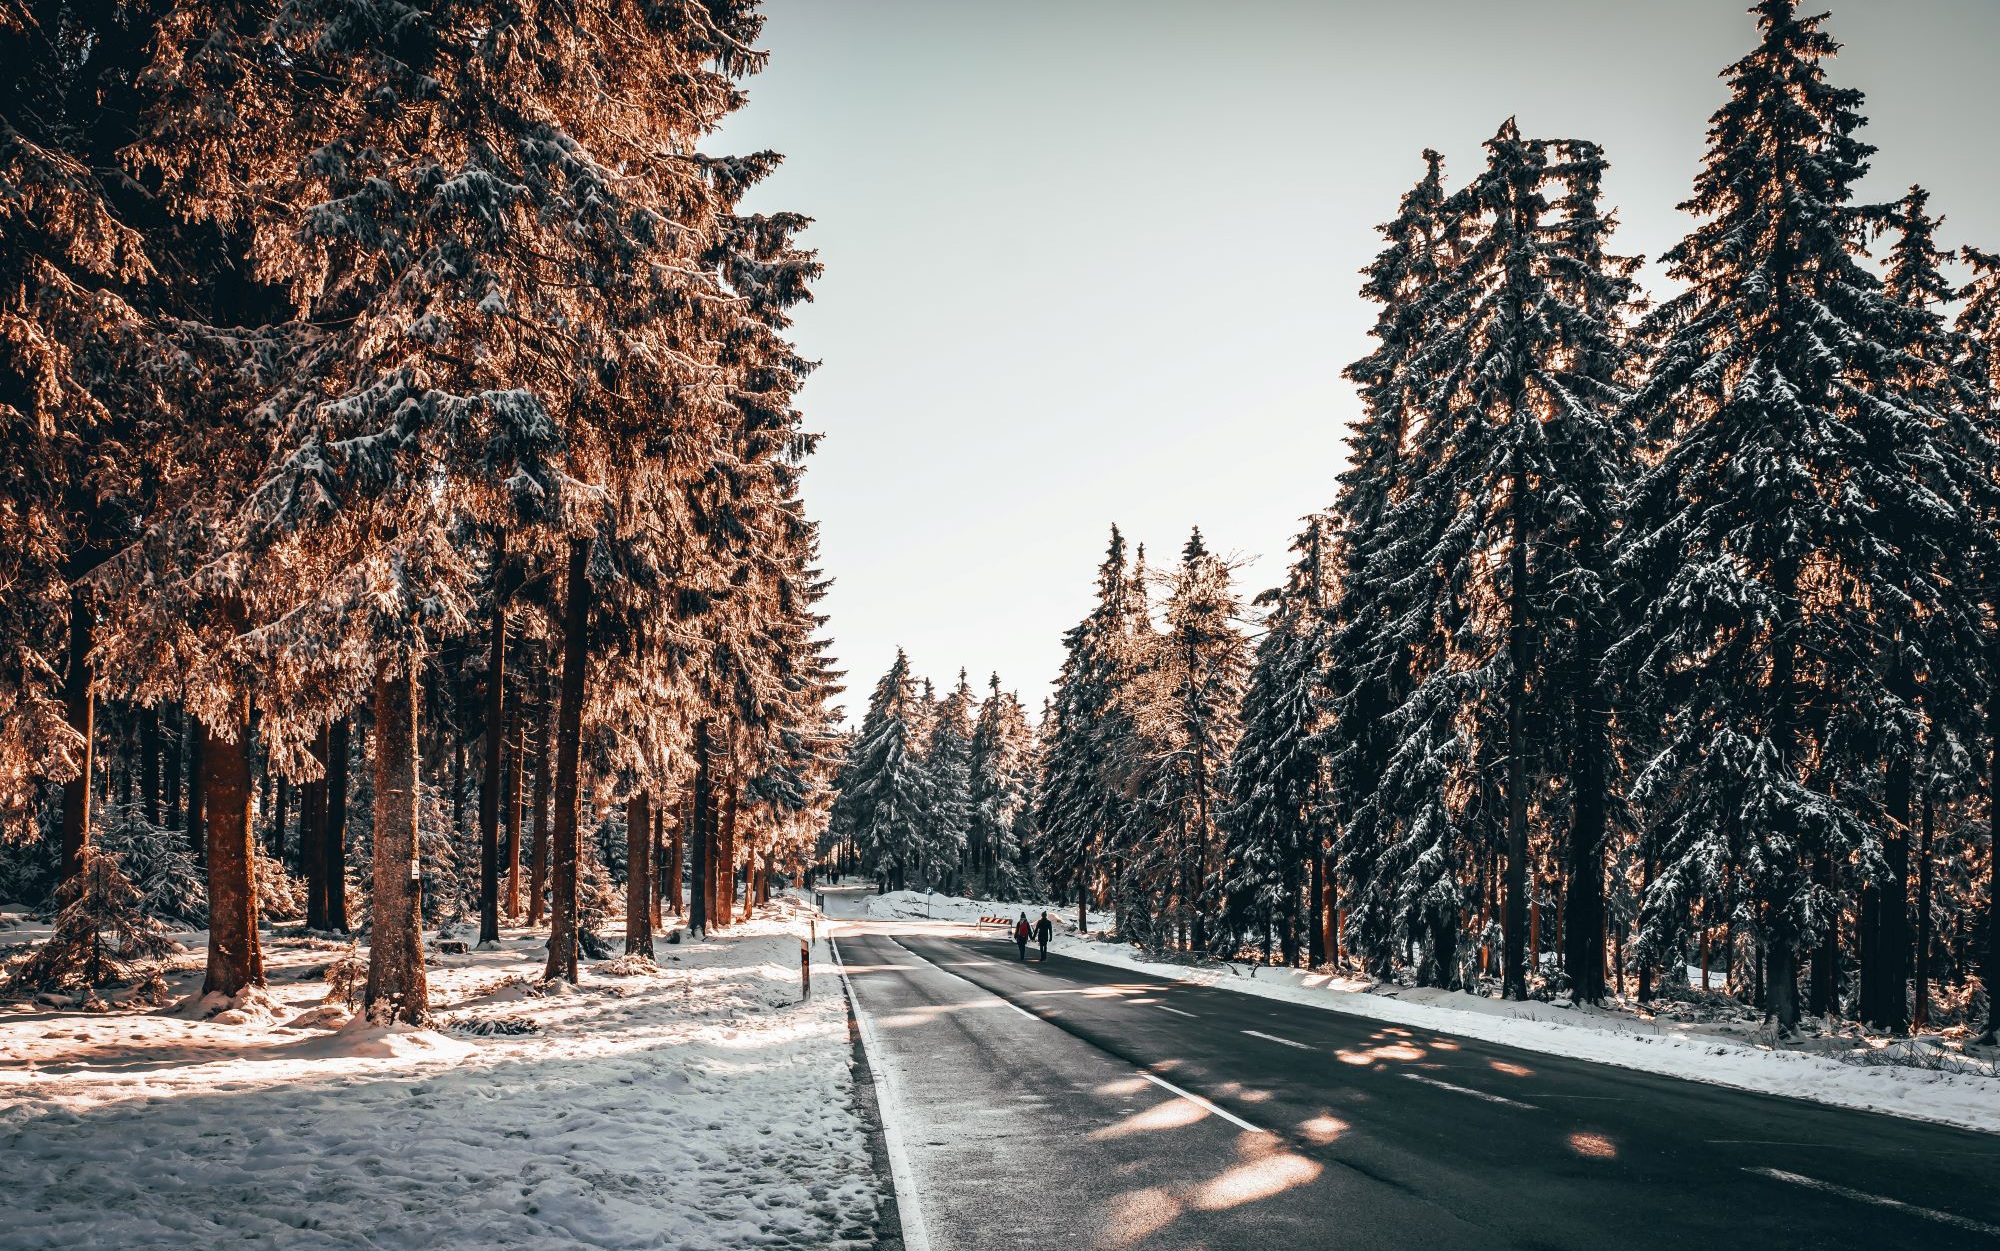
916,1237
1200,1102
1880,1201
1283,1042
1467,1090
932,964
1176,1011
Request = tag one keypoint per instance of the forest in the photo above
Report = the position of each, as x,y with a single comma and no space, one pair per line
400,487
1650,645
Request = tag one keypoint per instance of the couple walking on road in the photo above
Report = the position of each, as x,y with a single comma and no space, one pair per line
1041,931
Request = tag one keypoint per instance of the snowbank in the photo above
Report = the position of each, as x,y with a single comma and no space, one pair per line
1674,1048
696,1106
916,905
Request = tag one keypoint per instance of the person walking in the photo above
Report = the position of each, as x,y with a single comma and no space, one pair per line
1043,929
1021,936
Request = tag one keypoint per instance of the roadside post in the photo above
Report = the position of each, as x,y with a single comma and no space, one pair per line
805,970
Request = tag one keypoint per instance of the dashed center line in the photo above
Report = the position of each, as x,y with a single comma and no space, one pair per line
1880,1201
1489,1096
1200,1102
1283,1042
1176,1011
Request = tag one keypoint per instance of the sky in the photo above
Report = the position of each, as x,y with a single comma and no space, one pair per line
1097,261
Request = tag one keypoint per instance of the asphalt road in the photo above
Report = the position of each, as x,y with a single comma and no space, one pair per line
1033,1114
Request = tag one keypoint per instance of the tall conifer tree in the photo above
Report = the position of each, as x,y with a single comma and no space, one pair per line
1759,532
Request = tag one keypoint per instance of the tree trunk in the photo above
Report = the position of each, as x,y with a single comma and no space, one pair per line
538,849
149,763
639,876
1316,908
235,957
1823,991
496,735
457,790
701,814
563,934
398,987
1583,901
312,838
80,701
513,799
1921,1017
281,812
1513,921
172,734
1885,912
333,831
656,863
725,876
1990,970
197,740
676,842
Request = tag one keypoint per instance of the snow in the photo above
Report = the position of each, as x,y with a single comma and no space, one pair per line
695,1105
1873,1078
916,905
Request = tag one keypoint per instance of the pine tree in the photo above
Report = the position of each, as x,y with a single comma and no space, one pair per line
1079,802
1276,828
83,369
1495,551
885,794
1002,768
1923,474
948,765
1759,534
103,935
1184,708
1976,365
1373,635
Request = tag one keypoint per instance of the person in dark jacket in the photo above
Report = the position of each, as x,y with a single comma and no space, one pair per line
1021,936
1043,929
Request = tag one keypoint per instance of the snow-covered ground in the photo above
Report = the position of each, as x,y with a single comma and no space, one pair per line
695,1105
1919,1082
916,905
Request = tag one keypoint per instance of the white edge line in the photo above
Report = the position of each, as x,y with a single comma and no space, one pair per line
1283,1042
1487,1095
1200,1102
915,1236
1880,1201
1176,1011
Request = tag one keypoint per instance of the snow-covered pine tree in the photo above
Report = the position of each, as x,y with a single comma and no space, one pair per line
884,792
1002,766
1925,472
1496,550
1976,365
1079,802
1372,641
103,935
1275,830
948,764
80,374
1757,531
1184,708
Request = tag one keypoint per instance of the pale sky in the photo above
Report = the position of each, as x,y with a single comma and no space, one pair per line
1092,261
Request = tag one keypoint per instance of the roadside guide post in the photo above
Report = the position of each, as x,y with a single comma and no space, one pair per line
805,970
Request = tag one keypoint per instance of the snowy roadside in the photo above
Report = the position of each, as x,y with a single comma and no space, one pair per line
916,905
698,1105
1676,1049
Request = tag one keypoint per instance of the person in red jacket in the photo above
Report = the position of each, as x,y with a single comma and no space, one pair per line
1021,934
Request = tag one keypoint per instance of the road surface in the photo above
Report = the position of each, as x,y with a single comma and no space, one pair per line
1075,1105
